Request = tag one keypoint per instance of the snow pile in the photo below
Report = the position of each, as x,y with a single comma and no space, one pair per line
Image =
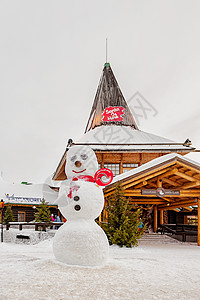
146,272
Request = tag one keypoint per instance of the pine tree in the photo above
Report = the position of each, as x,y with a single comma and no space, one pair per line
8,216
43,213
123,220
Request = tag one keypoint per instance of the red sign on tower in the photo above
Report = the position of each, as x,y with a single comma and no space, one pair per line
113,114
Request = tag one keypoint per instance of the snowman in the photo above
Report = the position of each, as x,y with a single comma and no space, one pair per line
81,241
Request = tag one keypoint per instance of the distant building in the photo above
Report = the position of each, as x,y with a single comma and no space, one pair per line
24,198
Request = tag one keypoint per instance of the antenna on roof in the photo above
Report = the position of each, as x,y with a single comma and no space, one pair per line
106,50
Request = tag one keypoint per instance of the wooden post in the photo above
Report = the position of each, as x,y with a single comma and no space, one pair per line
159,183
198,232
161,217
121,165
185,220
102,161
155,213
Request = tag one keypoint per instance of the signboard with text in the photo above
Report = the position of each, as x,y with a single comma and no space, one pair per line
113,114
160,192
20,199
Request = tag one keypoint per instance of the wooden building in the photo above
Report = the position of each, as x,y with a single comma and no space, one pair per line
24,199
142,162
117,141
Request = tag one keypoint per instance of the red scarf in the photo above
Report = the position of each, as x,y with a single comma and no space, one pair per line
83,177
75,187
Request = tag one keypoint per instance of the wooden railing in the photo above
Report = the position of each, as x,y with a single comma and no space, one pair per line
179,229
36,225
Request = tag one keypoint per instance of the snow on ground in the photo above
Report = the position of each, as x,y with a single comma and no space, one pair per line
150,271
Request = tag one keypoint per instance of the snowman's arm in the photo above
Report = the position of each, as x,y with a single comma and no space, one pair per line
63,199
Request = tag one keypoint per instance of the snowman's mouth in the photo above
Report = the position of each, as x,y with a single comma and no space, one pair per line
79,171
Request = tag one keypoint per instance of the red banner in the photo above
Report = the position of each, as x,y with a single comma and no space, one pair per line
113,114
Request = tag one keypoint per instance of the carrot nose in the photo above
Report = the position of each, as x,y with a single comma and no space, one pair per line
78,164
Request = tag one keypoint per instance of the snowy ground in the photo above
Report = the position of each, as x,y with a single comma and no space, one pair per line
145,272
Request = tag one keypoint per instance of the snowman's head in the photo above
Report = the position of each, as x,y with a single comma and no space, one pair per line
81,160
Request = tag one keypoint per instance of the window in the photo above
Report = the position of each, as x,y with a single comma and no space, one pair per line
128,167
21,216
113,167
192,220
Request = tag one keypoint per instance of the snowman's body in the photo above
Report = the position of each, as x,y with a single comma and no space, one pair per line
80,241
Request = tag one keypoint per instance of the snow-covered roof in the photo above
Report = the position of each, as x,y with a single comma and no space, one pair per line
126,138
155,163
21,193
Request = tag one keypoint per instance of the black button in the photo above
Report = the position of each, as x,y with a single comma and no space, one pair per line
77,207
76,198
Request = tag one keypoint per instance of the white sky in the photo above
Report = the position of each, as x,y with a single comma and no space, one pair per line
52,54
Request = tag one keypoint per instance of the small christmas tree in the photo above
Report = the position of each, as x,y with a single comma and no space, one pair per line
8,216
43,213
123,220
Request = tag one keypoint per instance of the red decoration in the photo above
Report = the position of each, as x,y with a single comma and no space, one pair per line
113,114
83,177
103,177
72,189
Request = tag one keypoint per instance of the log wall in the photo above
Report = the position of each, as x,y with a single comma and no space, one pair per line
29,212
126,157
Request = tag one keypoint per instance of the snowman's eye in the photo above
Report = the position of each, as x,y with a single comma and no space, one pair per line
73,158
84,156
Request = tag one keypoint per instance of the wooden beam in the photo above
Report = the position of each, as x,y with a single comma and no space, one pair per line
131,182
188,208
174,183
148,201
185,176
168,173
141,184
155,218
175,209
177,205
190,185
153,185
198,232
189,193
166,199
133,193
189,167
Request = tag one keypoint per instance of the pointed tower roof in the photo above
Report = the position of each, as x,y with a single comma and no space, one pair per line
109,107
112,128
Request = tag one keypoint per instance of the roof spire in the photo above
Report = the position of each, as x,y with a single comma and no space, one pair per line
106,50
110,106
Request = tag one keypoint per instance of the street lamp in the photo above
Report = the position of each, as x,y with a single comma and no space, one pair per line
2,206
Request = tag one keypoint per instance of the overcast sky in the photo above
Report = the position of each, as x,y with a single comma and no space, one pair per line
52,54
